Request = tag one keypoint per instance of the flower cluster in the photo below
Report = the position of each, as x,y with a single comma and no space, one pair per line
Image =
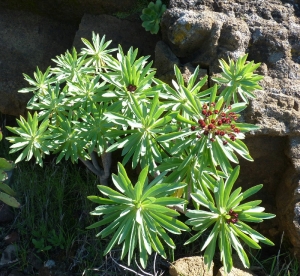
216,123
131,88
233,217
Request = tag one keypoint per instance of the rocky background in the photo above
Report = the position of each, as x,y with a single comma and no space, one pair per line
193,32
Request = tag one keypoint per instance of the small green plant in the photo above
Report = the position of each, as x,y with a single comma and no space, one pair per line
57,240
40,240
45,241
185,138
228,217
7,194
40,245
138,215
151,16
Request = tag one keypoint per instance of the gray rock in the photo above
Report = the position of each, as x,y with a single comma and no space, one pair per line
15,273
165,59
6,213
164,62
50,264
202,37
27,41
9,255
120,31
190,266
70,11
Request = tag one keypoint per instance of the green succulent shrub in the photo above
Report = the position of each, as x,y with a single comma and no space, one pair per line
151,16
185,138
6,193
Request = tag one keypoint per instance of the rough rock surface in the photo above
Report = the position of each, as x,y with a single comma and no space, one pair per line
235,272
195,266
120,31
190,266
70,10
203,37
27,41
200,33
165,60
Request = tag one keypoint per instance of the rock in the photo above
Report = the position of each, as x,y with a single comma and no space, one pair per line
6,213
120,31
288,197
45,271
190,266
15,273
70,11
235,272
12,237
51,268
34,260
49,263
203,37
9,255
165,61
26,42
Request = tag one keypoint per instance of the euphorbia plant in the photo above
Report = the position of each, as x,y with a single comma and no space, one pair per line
138,215
186,138
229,217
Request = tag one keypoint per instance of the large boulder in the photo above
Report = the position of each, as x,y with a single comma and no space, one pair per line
34,33
27,41
70,10
200,33
127,33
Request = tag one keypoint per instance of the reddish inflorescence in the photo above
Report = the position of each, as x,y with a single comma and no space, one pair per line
217,123
131,88
233,217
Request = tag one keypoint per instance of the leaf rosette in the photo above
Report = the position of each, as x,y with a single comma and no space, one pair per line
151,16
138,216
227,217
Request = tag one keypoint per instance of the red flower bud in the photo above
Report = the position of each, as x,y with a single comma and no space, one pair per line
131,87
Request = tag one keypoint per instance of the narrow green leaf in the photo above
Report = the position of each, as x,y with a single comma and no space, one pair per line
230,182
244,237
